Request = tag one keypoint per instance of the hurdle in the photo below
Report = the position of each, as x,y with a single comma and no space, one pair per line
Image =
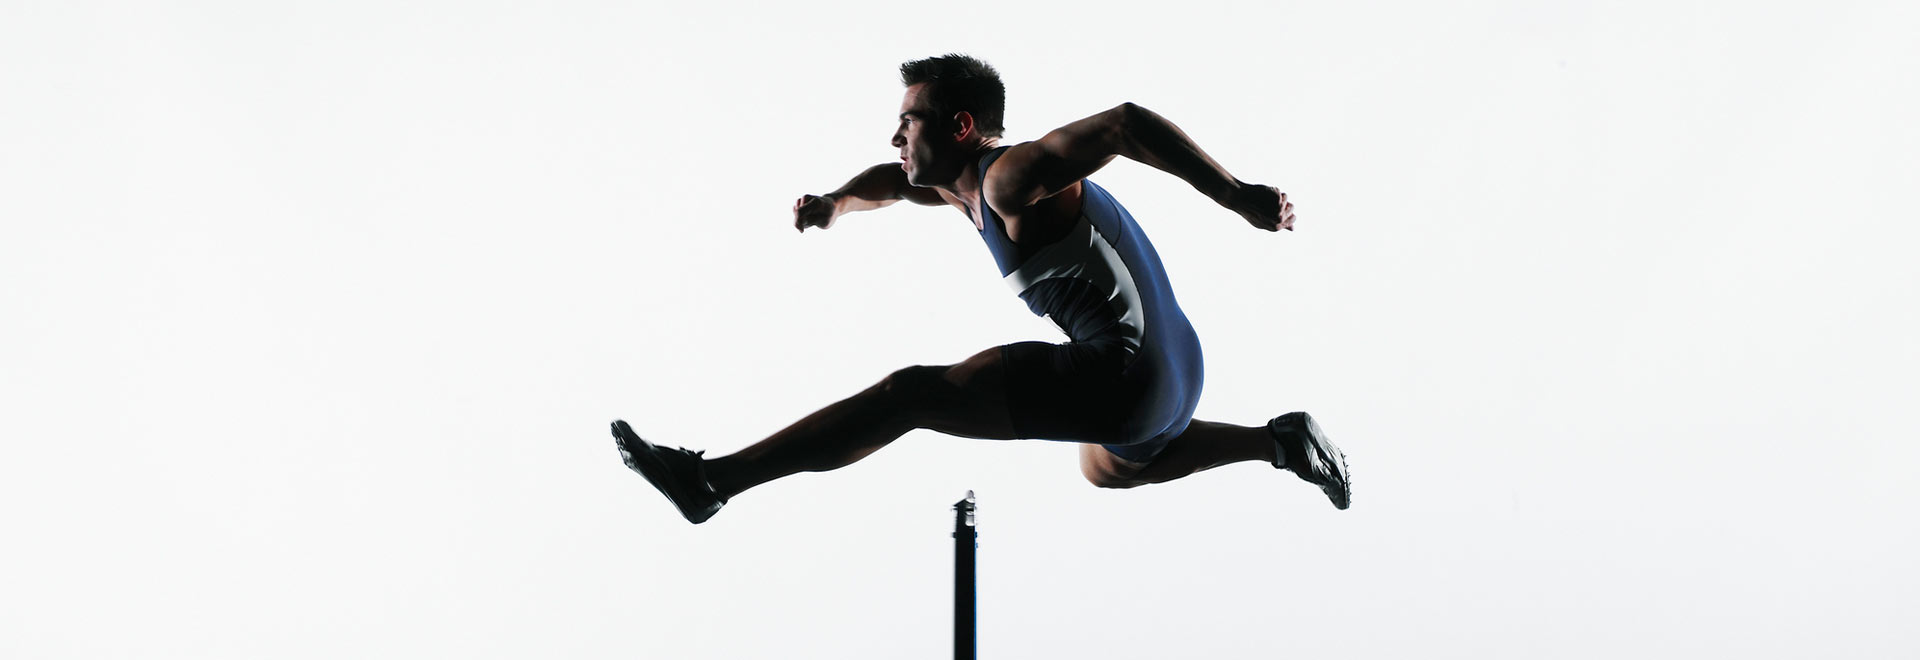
965,541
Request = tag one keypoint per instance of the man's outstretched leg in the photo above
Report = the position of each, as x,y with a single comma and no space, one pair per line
966,399
1292,442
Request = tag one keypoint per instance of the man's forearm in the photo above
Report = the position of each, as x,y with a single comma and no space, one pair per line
1149,138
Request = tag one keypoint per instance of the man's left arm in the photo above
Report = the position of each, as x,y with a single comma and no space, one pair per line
1030,172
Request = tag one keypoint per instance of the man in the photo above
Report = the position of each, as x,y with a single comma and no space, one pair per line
1125,384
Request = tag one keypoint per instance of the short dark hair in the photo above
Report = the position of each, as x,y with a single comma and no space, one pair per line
957,83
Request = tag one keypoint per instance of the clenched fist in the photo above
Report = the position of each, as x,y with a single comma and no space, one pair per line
814,211
1264,207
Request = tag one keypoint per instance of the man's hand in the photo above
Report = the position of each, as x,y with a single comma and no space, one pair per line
1264,207
814,211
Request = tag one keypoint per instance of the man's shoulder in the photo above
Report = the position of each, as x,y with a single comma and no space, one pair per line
989,159
1001,177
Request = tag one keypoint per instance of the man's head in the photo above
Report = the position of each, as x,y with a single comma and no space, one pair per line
953,104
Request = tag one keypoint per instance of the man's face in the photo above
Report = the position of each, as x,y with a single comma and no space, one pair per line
925,149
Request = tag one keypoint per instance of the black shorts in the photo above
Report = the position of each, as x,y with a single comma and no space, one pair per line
1100,392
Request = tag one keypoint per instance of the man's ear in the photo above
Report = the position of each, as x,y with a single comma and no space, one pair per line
963,127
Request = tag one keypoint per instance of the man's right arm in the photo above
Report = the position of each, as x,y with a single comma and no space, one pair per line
878,186
1059,160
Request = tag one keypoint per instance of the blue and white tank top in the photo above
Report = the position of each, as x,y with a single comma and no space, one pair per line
1103,280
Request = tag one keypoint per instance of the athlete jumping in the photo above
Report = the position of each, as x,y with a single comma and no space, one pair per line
1124,384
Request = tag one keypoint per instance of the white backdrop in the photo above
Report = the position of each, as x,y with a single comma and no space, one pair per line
315,315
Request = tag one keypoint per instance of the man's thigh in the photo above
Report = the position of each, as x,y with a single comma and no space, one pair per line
969,398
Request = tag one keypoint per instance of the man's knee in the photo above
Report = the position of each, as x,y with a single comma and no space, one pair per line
914,386
1104,470
1109,479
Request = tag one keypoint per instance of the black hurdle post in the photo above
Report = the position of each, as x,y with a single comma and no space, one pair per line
965,542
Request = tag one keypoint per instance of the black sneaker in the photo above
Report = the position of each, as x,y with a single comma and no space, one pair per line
678,473
1311,455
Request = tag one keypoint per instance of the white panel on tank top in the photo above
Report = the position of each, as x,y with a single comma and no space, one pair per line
1087,255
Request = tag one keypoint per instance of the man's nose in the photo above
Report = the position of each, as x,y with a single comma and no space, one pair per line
899,140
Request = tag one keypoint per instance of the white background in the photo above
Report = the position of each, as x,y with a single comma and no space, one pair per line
315,315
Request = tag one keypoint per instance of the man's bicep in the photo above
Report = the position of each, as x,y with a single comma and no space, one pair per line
887,183
922,196
898,187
